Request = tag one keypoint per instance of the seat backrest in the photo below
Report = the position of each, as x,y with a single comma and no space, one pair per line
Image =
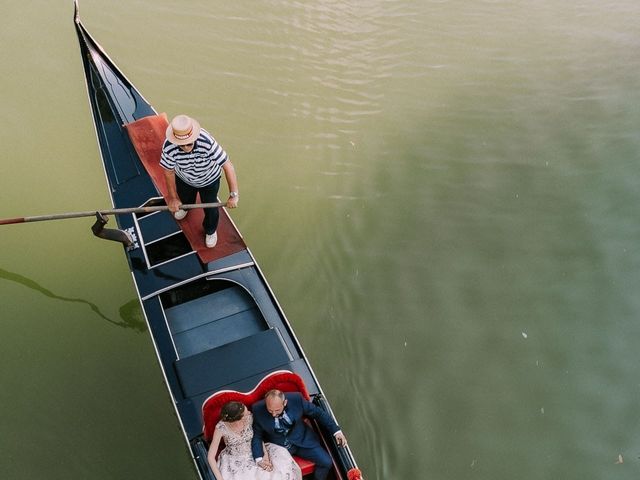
283,380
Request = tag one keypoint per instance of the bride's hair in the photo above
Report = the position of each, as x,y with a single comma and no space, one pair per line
232,411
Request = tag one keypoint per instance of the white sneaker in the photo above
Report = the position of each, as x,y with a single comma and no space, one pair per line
211,240
180,214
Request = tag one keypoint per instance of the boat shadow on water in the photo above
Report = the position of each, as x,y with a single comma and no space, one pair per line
130,312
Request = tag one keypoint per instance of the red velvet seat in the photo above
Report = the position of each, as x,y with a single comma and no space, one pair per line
307,466
283,380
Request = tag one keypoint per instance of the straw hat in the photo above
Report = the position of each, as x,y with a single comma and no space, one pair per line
183,130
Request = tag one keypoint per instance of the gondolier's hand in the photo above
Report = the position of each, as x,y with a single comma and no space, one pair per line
232,202
174,204
340,439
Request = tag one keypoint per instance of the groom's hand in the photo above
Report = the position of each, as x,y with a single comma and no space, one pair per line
341,440
265,465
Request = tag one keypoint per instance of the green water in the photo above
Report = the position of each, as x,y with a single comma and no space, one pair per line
442,194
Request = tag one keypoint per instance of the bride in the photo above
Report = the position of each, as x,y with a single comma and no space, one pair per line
235,461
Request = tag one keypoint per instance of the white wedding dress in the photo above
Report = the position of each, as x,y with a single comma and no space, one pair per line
236,460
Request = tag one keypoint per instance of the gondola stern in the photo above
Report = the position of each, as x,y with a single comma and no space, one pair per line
76,12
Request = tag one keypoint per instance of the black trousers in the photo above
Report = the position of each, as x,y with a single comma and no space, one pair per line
208,194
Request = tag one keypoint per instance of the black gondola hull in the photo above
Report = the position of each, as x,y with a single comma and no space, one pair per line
215,325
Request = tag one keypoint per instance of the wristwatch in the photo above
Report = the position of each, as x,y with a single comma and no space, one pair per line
233,194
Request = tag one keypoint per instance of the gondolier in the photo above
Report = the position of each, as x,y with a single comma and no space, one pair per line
193,163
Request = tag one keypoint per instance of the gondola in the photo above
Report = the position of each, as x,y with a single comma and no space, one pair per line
216,326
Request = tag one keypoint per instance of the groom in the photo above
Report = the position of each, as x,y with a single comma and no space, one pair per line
279,419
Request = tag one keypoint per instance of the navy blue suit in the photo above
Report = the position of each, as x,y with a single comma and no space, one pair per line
302,439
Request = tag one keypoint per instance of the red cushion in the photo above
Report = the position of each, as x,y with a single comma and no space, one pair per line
307,466
283,380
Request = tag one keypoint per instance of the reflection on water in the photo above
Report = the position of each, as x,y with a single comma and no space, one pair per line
130,312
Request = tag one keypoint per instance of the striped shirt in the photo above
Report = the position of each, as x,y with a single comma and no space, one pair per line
201,166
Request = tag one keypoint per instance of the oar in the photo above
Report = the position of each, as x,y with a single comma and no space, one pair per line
113,211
